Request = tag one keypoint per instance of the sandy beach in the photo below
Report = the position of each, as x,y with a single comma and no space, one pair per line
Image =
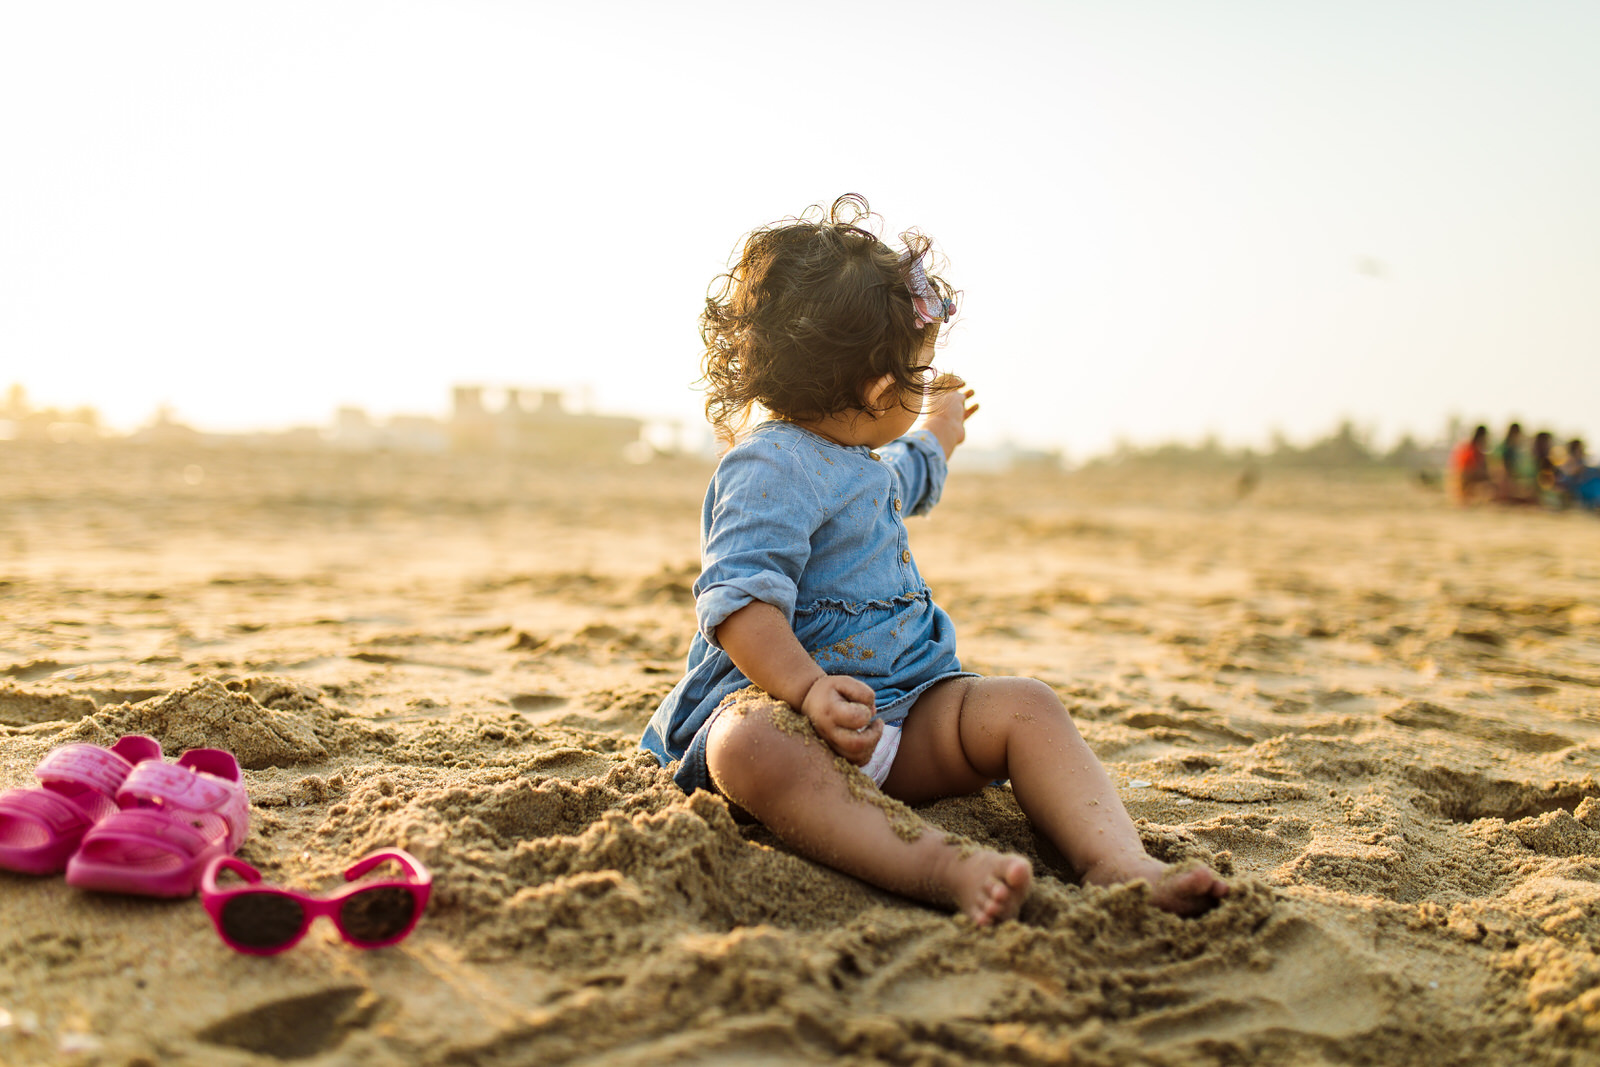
1377,714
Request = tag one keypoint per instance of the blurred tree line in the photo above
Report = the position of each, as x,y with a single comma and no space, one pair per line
1347,446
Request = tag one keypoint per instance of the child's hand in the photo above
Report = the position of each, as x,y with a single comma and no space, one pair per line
948,411
841,707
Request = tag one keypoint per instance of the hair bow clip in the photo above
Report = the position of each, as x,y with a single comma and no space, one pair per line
930,307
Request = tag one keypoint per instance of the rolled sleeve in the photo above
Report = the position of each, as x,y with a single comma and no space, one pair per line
920,464
713,606
757,526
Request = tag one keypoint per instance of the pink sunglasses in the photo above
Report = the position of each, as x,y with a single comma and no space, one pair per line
263,920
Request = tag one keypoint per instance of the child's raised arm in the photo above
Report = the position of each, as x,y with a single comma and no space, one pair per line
761,644
949,411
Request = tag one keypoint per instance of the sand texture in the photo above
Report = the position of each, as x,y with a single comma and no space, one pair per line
1379,715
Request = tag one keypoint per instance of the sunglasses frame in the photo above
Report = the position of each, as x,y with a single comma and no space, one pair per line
418,882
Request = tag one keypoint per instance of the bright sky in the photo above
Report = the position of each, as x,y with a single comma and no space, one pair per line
1168,218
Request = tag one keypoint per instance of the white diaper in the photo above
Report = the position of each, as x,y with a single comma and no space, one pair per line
877,767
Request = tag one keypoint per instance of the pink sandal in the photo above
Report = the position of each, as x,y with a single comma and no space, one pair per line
174,819
40,828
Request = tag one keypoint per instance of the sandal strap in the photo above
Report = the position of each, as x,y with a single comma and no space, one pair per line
58,814
84,765
152,826
171,786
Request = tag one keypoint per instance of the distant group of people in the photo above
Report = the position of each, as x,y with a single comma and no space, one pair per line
1519,471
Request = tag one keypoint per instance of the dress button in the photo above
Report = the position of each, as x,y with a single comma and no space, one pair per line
874,455
905,557
897,503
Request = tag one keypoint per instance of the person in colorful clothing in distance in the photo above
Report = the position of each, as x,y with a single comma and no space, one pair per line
1512,468
1468,476
1579,481
1546,473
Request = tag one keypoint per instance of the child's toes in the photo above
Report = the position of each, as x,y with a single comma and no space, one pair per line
1190,892
998,885
1009,888
1208,885
1016,875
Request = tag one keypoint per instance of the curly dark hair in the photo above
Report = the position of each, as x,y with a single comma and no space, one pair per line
813,310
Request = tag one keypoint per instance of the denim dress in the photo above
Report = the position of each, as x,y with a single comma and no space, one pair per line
817,530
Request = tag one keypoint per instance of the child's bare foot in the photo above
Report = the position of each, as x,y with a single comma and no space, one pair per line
986,886
1189,890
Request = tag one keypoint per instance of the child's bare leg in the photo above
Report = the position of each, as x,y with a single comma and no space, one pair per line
966,732
765,758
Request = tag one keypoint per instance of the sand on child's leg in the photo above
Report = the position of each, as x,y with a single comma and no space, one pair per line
968,731
765,757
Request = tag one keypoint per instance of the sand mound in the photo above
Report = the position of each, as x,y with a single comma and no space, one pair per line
264,722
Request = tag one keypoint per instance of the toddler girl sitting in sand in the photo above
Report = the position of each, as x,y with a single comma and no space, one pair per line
819,648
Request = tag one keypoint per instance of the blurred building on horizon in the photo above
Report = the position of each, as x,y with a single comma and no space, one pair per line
523,422
542,428
20,420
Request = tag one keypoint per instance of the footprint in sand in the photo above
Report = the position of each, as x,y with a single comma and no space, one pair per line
1421,715
1312,984
388,659
1466,796
297,1028
35,669
527,702
1192,724
19,707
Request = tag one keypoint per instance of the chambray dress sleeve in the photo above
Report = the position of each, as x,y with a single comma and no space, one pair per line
919,463
756,529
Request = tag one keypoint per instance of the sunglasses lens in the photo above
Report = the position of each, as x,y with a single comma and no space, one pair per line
262,920
378,914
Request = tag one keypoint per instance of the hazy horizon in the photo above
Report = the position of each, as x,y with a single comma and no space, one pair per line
698,437
1166,220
